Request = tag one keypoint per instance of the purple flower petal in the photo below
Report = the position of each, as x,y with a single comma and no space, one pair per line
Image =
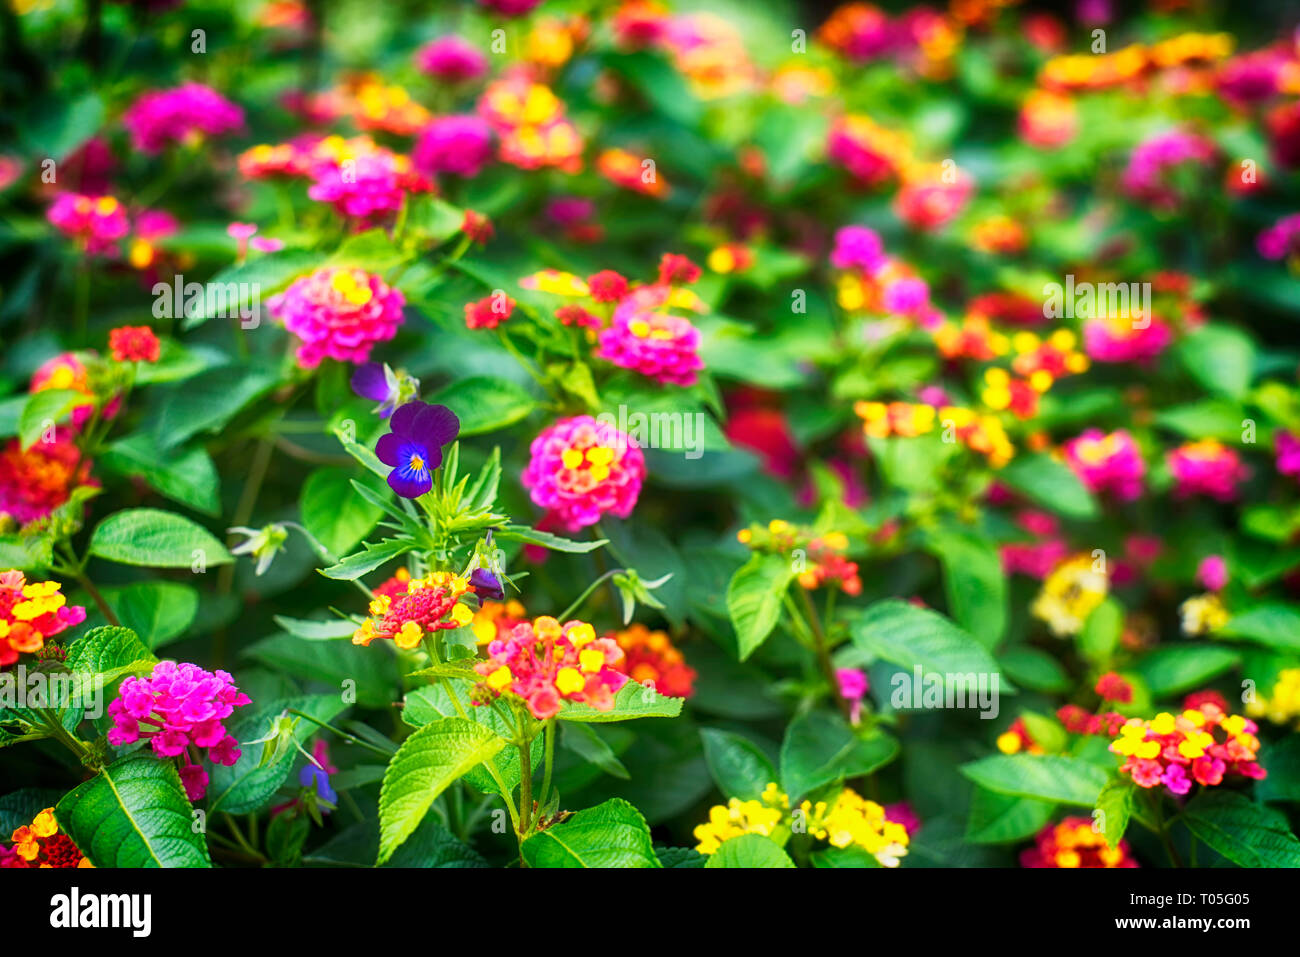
404,418
409,487
388,447
435,426
370,381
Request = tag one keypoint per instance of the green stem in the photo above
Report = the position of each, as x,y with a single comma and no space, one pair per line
549,760
525,791
342,734
577,603
74,570
822,648
240,839
63,736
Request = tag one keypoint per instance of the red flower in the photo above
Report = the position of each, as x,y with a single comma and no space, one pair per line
133,344
1112,687
607,286
674,269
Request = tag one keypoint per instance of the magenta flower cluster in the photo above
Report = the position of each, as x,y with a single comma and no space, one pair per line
652,342
179,709
1107,463
161,117
339,314
459,144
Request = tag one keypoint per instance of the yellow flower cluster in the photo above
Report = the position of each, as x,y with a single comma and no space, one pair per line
1203,613
1069,594
739,817
1283,705
852,820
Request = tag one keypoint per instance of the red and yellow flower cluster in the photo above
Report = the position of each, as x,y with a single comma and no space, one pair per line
545,663
984,434
828,565
40,844
30,614
1203,741
405,609
1074,843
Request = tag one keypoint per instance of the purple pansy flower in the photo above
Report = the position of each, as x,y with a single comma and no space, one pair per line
379,383
413,449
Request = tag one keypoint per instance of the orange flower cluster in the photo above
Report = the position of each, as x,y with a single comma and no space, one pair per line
1074,843
651,659
40,844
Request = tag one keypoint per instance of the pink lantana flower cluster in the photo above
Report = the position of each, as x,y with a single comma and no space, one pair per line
1121,339
458,144
645,338
95,223
1207,467
361,180
182,115
582,468
1107,463
546,663
1147,177
339,313
180,709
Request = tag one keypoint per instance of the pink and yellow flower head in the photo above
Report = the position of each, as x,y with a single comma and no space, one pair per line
1201,745
1107,463
338,313
95,223
451,59
1074,842
431,603
363,181
646,339
67,371
582,468
529,120
1122,339
185,114
546,663
1048,120
179,709
40,845
390,109
932,195
869,152
30,614
651,659
1207,467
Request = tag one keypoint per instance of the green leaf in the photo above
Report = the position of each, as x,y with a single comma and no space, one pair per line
1116,804
1034,669
187,475
157,539
974,583
532,536
1273,624
134,814
738,767
339,664
205,402
367,560
821,748
1101,633
612,834
333,512
749,851
43,410
1050,484
423,767
434,702
237,285
1220,357
157,611
633,700
592,748
754,599
109,653
1178,668
485,404
1246,833
908,636
249,785
1002,818
1045,777
313,630
843,858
